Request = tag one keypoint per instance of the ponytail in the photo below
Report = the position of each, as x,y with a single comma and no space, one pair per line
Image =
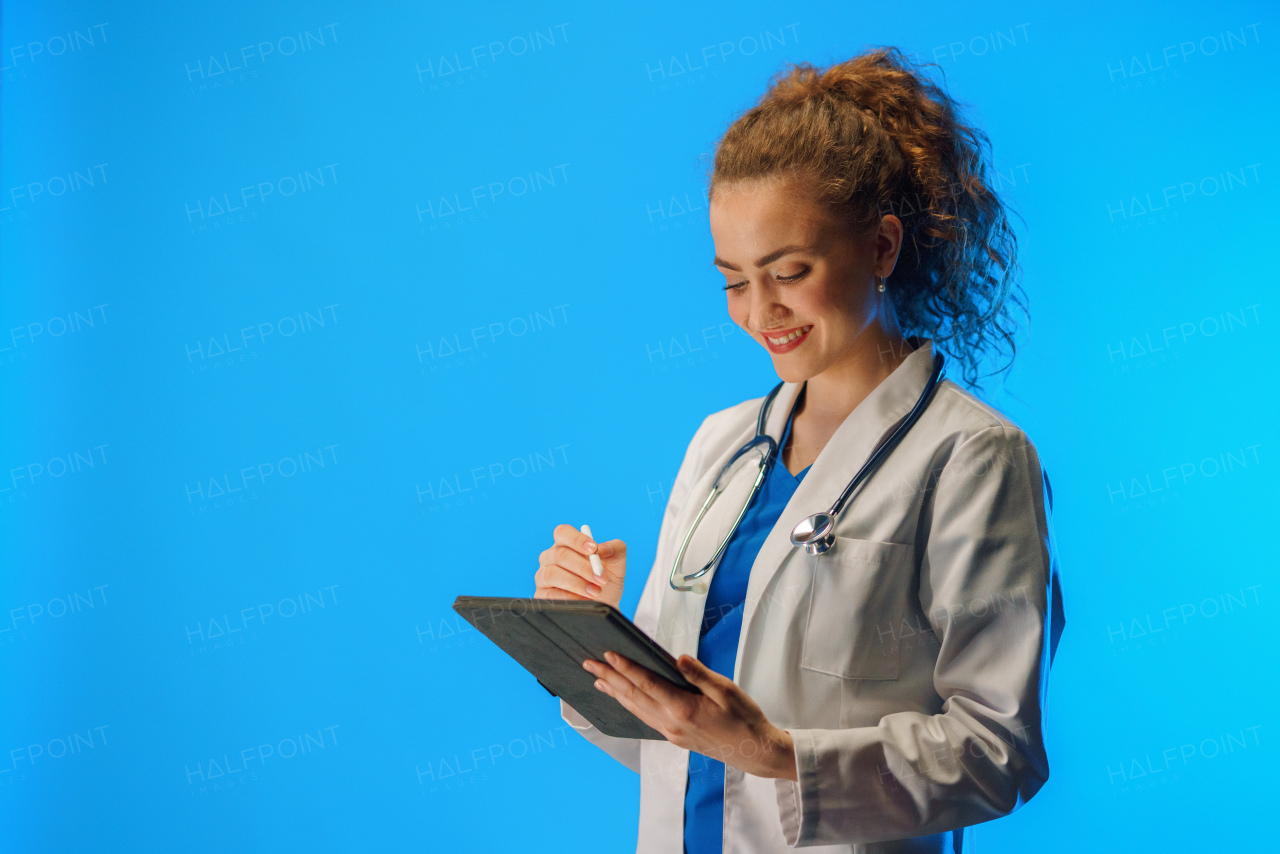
874,136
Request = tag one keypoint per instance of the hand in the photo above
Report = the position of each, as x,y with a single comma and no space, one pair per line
722,722
564,570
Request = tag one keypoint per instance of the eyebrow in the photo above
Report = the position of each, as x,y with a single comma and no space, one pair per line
771,257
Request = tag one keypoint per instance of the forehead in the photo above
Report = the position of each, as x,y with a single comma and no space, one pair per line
747,212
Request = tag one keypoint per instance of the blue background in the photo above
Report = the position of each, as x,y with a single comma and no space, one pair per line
274,668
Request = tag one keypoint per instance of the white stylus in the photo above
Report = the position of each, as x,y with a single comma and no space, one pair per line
596,566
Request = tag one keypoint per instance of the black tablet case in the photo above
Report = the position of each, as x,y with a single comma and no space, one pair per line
551,638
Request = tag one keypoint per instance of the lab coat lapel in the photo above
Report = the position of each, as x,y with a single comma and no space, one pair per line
682,612
870,422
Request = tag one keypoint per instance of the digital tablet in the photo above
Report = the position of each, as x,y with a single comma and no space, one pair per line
551,638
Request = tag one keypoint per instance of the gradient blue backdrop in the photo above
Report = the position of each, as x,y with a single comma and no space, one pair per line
317,316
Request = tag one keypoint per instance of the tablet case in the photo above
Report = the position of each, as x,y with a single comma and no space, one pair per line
551,638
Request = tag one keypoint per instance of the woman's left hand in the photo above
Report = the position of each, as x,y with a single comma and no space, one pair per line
722,722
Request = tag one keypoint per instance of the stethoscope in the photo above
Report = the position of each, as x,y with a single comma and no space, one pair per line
816,534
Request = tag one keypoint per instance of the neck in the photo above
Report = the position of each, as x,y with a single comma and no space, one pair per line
834,393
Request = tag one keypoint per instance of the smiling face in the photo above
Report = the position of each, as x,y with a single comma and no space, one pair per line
798,280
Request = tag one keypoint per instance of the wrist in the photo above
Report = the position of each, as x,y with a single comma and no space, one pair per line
783,763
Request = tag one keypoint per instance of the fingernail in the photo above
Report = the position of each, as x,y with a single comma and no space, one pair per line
592,590
606,551
600,684
588,666
589,546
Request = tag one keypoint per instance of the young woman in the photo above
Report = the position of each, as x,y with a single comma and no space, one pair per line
886,693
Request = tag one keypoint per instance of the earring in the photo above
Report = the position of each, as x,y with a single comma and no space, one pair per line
879,284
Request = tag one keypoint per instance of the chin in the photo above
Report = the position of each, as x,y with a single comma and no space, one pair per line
792,370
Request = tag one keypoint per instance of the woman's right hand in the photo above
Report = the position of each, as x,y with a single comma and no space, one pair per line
564,570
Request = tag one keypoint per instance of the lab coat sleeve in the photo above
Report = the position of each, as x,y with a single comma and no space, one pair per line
627,750
989,587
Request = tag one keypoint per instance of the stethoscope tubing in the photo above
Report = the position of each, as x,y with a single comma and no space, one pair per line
895,437
816,533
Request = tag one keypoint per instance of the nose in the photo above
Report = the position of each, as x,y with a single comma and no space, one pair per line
766,311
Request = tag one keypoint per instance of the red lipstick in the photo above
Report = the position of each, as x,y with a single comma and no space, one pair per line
789,343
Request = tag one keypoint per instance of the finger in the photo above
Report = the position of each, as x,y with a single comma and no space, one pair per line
602,685
556,593
713,684
676,710
571,537
638,702
644,679
566,557
563,555
613,554
613,550
562,579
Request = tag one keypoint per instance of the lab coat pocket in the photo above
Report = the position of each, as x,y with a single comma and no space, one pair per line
859,591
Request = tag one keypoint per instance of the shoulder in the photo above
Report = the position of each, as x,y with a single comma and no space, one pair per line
731,420
964,411
725,428
970,428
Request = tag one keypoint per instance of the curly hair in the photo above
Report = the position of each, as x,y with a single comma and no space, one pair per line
873,136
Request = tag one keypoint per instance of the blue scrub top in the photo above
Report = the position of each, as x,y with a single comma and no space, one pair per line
718,644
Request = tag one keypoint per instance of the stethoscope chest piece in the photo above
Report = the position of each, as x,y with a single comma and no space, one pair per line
816,534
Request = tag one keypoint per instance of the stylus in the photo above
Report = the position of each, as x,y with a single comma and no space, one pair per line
596,566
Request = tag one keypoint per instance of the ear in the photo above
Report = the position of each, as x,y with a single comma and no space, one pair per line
888,244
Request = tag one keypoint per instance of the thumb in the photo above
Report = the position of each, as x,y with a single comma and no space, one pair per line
614,555
702,676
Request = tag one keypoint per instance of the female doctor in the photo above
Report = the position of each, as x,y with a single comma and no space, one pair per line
889,692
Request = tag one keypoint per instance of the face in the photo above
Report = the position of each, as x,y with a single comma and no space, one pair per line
798,280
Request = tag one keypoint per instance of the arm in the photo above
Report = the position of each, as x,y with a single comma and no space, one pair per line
988,583
627,750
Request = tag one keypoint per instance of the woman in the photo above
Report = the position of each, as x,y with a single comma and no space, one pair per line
887,694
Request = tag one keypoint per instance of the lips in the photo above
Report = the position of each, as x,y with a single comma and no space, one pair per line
786,340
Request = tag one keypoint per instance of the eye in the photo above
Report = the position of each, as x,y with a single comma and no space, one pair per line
737,286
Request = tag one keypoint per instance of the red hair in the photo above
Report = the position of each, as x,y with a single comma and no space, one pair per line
874,136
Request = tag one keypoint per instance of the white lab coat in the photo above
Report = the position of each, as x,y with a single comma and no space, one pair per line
910,663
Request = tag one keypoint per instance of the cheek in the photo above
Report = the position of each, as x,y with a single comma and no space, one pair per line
828,305
739,310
